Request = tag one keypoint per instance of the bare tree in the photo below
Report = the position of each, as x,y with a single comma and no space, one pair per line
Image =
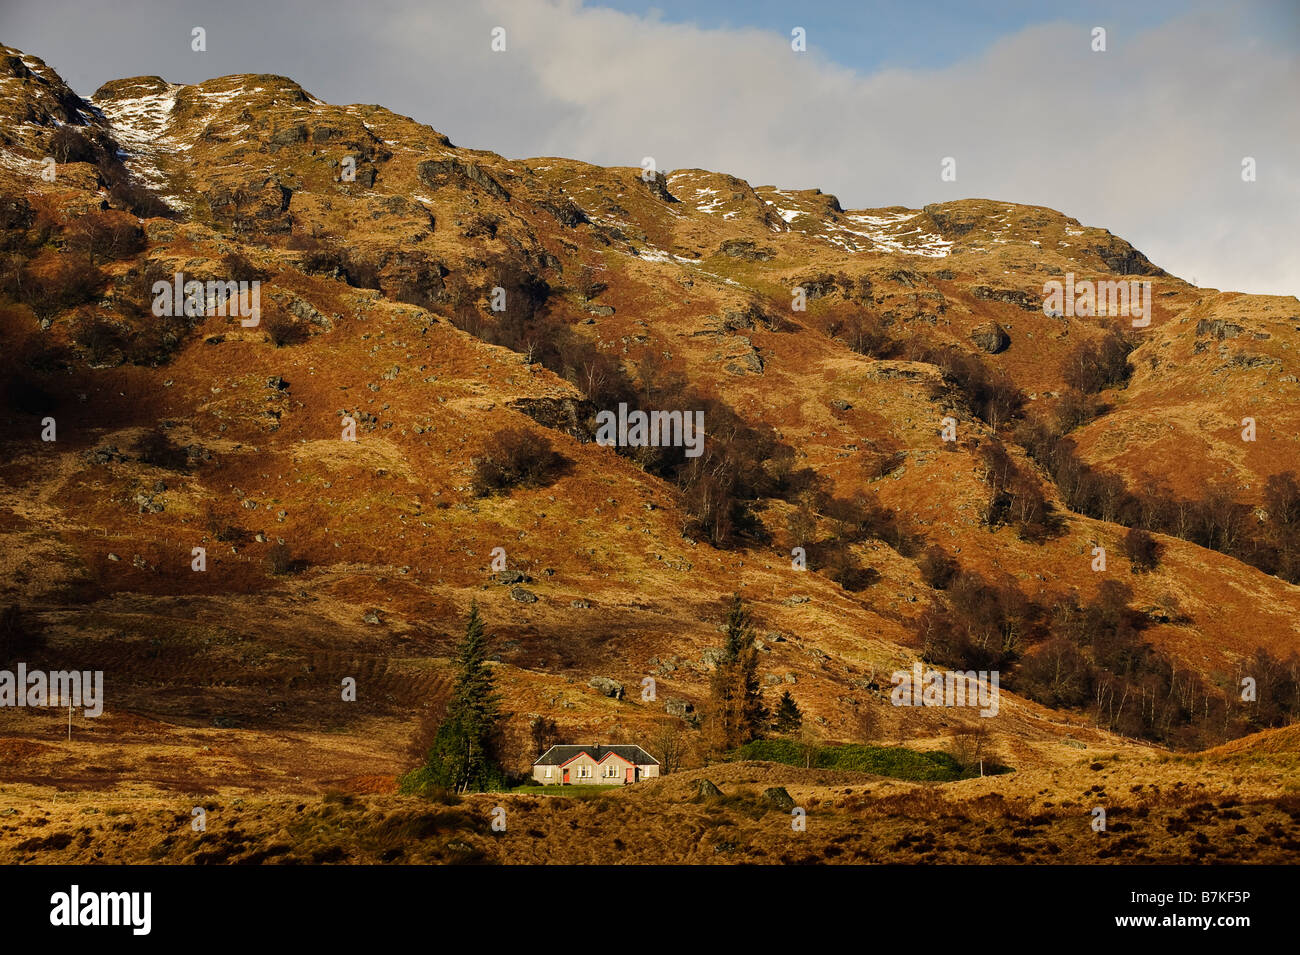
670,744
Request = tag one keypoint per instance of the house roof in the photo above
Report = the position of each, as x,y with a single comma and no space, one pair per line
563,753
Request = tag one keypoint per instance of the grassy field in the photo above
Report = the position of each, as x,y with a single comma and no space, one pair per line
563,790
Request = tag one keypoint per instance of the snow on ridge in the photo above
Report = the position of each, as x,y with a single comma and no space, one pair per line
138,123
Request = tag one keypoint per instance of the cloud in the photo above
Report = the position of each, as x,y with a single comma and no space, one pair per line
1145,139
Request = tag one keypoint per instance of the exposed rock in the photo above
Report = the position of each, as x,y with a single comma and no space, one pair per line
746,250
712,657
991,337
1009,296
706,790
436,173
608,687
658,186
779,798
1217,328
105,455
523,596
676,707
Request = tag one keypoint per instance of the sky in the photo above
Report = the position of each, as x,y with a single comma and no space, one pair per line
1145,139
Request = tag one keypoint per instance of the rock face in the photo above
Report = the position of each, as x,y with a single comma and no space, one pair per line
607,686
1217,328
746,250
437,173
573,416
990,337
1016,297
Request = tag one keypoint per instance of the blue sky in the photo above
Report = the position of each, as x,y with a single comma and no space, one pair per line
868,35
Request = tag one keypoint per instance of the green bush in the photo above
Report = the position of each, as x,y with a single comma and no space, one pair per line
895,761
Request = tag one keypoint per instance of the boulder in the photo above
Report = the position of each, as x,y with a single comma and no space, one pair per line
712,657
706,789
779,798
676,707
523,596
990,337
608,687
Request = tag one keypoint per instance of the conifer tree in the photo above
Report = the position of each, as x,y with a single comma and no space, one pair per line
788,717
464,753
738,710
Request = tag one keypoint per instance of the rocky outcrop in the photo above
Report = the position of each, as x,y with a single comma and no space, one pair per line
1217,328
573,416
1008,296
607,687
438,173
990,337
746,250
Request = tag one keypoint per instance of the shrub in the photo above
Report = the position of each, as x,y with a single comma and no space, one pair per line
101,340
1142,550
991,394
53,286
1094,366
238,268
69,145
105,235
283,330
1055,674
896,761
867,335
1076,409
515,457
157,449
279,560
937,568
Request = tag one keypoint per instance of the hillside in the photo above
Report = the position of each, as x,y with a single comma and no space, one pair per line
328,558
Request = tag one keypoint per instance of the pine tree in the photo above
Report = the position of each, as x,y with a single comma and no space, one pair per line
788,717
464,756
738,710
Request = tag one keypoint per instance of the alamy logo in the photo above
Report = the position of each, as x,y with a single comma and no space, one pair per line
195,299
655,429
1087,298
920,687
84,688
103,908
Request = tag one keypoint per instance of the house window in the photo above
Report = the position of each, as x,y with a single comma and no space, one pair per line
584,772
548,772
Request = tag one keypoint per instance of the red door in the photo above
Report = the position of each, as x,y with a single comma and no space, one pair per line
630,771
566,777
